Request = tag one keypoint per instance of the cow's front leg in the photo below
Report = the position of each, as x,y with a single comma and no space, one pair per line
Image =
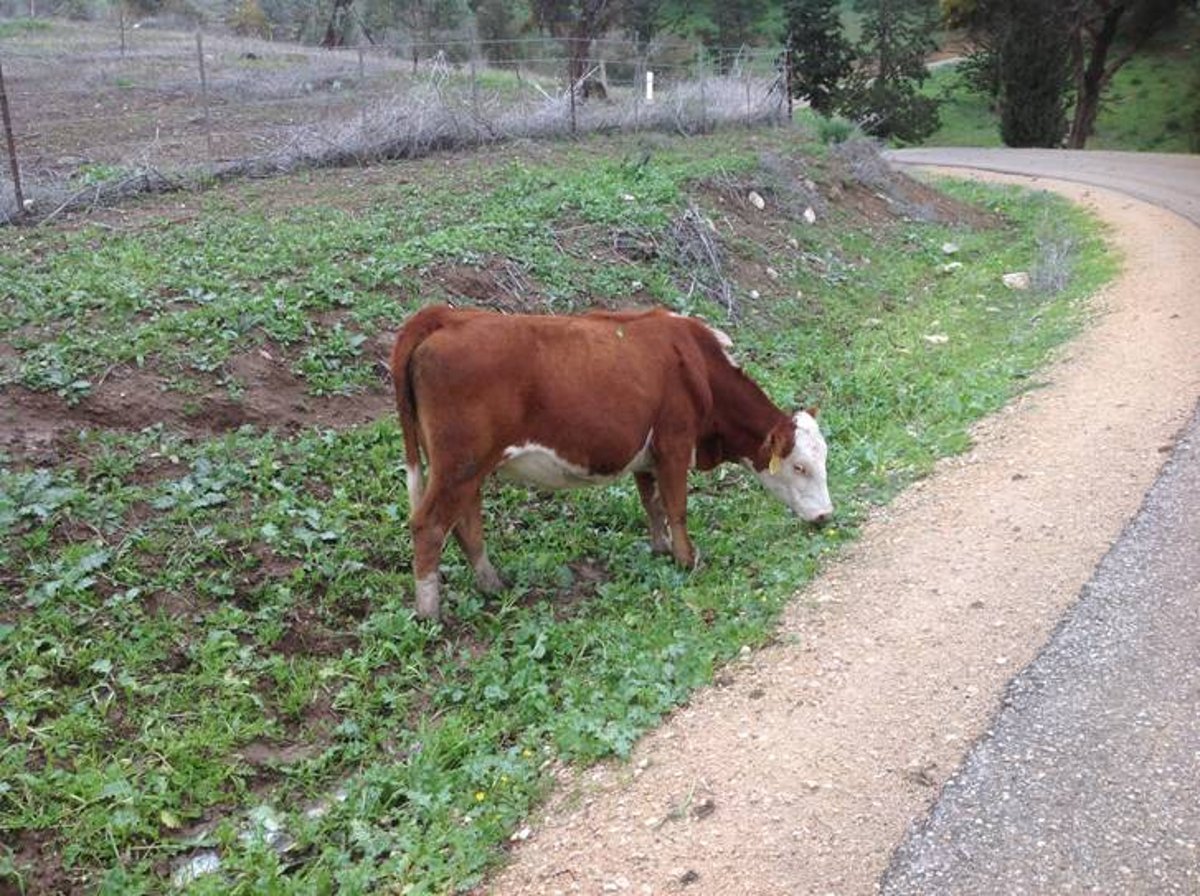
469,534
672,489
660,533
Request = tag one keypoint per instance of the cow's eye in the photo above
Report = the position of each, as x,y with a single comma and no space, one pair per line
800,469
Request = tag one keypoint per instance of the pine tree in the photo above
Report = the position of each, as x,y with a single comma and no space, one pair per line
1033,65
883,94
818,52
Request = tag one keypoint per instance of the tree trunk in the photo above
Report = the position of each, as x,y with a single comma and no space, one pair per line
1091,76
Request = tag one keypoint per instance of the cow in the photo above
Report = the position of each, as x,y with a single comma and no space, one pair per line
566,401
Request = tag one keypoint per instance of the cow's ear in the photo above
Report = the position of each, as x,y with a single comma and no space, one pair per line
812,411
778,445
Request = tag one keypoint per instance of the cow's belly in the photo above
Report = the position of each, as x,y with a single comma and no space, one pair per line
534,464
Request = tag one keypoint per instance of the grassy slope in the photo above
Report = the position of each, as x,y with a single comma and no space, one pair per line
1149,107
203,636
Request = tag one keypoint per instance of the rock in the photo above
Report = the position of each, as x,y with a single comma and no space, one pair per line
810,216
1016,280
949,248
207,862
951,267
936,338
757,201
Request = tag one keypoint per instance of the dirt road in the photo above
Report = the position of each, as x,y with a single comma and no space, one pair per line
801,771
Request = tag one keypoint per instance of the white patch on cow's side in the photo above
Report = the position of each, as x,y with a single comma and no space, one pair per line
800,481
535,464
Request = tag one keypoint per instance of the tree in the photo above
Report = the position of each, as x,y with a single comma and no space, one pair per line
577,23
643,19
498,25
818,52
1100,29
882,94
1033,71
1027,41
736,24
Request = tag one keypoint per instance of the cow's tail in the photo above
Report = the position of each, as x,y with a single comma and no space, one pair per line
416,330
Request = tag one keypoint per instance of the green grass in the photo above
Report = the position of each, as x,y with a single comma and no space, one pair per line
965,117
200,635
22,27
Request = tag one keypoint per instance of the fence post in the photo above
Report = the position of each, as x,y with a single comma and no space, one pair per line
703,96
787,81
746,78
571,81
204,94
11,142
474,82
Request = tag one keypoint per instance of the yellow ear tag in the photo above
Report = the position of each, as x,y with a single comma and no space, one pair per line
773,466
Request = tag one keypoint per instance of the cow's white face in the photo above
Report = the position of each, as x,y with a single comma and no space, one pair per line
798,479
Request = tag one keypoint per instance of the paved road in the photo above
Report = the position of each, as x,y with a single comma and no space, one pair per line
1169,180
1088,781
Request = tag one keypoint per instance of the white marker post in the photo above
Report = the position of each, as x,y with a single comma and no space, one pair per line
649,87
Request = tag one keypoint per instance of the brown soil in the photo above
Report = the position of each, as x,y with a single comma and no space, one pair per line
36,426
801,770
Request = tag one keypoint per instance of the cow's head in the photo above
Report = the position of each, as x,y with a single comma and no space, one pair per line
794,470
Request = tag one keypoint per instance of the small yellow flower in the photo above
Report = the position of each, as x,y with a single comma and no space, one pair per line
480,796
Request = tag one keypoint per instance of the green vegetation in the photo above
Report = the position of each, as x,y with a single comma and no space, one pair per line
15,27
209,643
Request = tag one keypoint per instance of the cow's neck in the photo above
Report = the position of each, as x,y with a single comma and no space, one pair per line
743,415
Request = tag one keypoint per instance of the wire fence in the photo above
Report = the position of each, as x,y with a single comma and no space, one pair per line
148,109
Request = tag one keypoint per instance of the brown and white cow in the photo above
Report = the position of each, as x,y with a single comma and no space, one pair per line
560,402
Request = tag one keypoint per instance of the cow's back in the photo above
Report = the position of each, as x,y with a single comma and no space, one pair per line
592,387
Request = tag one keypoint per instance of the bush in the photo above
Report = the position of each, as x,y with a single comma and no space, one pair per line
249,20
836,129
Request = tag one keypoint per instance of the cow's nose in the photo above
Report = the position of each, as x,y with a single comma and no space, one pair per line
821,519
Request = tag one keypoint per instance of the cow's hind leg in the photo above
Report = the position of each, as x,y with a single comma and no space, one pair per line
660,534
440,510
469,534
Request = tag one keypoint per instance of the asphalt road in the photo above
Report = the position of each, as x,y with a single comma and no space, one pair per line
1088,780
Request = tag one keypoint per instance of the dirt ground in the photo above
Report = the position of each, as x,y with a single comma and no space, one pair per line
799,772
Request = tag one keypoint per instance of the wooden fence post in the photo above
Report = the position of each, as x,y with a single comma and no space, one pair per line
11,141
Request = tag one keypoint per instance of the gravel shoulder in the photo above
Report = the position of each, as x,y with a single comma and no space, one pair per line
802,770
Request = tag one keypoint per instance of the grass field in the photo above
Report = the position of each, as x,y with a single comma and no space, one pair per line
210,670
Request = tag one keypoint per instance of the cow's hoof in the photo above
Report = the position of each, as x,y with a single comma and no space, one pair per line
487,579
428,601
